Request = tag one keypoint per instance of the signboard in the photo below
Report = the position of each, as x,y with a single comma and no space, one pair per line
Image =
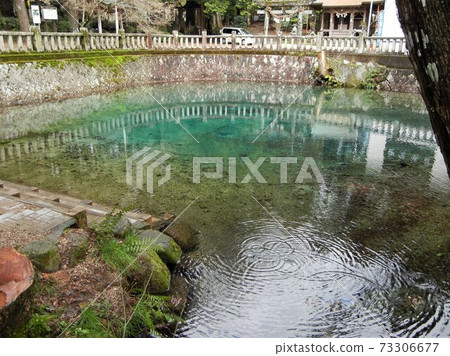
49,13
35,14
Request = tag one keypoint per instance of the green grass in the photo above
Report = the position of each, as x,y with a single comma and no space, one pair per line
151,311
91,325
117,254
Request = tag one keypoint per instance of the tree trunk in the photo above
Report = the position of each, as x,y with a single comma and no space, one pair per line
218,21
16,278
202,18
181,22
73,19
22,14
426,26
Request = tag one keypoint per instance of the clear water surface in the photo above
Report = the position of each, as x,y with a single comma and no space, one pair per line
364,254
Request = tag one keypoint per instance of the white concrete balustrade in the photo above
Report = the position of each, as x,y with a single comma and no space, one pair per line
16,41
56,41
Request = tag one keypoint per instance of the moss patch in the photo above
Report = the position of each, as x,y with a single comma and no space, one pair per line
109,56
151,266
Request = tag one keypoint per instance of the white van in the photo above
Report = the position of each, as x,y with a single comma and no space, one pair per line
244,37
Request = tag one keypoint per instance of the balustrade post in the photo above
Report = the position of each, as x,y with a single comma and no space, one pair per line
149,41
233,40
122,42
362,40
2,44
175,39
319,41
36,38
204,39
85,39
279,42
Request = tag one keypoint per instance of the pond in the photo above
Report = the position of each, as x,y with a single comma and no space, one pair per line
357,246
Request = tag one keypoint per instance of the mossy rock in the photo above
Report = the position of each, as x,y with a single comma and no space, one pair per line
44,255
151,265
78,249
166,248
141,225
122,227
183,235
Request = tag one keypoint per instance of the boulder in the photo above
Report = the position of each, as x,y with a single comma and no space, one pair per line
141,225
160,223
44,255
79,245
183,235
179,292
166,248
150,266
122,227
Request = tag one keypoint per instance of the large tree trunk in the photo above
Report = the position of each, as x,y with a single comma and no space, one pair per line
16,278
22,14
73,18
427,31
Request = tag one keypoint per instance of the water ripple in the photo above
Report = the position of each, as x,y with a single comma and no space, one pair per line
303,282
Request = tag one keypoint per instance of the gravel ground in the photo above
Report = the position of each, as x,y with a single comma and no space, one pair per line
17,237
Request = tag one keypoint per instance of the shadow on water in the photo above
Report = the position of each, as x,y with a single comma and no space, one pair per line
364,254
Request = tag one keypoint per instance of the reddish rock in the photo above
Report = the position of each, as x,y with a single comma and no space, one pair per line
16,275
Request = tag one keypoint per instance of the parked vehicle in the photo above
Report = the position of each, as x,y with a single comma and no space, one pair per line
243,36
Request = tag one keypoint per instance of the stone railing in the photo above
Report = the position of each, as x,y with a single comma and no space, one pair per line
54,41
16,41
83,40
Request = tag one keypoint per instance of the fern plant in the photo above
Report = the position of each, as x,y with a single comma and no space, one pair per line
374,77
152,314
92,323
115,253
105,229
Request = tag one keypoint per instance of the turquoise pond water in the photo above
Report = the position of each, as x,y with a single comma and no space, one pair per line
363,253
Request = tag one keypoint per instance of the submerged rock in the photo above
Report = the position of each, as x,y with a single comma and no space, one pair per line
78,248
183,235
44,255
151,266
179,292
166,248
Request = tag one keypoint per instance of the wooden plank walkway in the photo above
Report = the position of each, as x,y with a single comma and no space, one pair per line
39,211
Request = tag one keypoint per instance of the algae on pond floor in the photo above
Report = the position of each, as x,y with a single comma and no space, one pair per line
377,225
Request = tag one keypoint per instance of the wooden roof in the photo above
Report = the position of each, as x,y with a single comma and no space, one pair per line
344,3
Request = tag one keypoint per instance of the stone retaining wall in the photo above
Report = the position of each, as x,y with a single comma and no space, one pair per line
34,82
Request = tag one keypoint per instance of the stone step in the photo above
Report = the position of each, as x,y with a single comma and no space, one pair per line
6,190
